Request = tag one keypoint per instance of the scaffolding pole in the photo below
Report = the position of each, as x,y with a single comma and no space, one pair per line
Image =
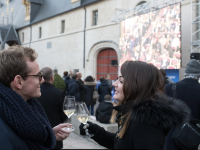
123,14
195,26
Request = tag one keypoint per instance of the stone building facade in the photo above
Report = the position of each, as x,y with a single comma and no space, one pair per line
68,38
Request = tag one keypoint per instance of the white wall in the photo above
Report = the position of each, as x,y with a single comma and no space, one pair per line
66,52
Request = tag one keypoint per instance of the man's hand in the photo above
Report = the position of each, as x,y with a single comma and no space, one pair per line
60,133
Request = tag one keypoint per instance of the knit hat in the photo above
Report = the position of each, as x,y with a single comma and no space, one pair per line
192,68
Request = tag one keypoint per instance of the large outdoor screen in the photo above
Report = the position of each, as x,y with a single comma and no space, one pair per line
154,38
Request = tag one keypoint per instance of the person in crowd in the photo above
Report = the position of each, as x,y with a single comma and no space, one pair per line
24,124
81,87
66,78
70,74
175,42
74,88
187,90
103,89
104,111
90,86
142,57
169,49
108,80
167,80
52,100
164,62
162,42
169,39
142,113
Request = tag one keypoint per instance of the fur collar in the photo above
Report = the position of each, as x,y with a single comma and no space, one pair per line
161,112
90,83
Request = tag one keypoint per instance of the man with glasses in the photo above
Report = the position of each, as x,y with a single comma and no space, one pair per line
52,100
23,122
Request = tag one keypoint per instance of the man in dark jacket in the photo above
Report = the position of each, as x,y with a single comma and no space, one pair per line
104,110
66,78
23,122
103,89
73,88
81,87
52,101
108,80
188,90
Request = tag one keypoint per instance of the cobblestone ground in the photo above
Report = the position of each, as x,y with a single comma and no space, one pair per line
75,141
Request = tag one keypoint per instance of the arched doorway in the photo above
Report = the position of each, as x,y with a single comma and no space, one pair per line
103,64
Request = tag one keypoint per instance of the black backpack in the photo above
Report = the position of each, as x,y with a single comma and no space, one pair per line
186,137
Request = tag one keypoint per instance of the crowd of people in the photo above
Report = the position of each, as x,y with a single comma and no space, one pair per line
153,38
83,90
147,111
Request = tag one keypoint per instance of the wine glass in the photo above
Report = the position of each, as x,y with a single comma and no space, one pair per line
82,114
69,109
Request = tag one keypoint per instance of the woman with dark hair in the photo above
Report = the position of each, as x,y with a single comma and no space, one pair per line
144,115
90,86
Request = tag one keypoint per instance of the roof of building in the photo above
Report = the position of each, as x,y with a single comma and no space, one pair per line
40,10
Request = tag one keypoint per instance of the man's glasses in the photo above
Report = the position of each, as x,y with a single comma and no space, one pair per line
40,75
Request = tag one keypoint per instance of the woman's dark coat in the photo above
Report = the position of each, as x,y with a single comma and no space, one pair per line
89,89
9,140
150,122
103,90
187,90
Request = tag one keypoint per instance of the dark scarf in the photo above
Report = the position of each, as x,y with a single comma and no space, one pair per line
28,119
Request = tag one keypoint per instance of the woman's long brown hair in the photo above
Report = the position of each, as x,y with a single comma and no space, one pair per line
141,81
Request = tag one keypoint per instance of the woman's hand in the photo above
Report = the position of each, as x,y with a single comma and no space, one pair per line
90,126
60,133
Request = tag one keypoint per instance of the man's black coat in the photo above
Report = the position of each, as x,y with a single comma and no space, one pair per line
52,102
81,89
188,90
74,89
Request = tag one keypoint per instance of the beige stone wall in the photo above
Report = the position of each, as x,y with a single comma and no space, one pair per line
66,52
26,31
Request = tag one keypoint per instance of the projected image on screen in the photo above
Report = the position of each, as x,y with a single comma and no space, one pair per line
153,38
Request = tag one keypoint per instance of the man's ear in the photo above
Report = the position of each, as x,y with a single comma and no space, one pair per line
52,78
18,82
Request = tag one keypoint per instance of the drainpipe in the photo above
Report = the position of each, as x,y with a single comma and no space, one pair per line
30,35
2,46
84,39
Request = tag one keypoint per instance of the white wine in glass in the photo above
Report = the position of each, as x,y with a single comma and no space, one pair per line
82,114
69,109
69,113
82,118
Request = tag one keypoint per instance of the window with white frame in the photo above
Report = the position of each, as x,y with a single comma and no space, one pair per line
22,37
95,17
62,26
40,32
